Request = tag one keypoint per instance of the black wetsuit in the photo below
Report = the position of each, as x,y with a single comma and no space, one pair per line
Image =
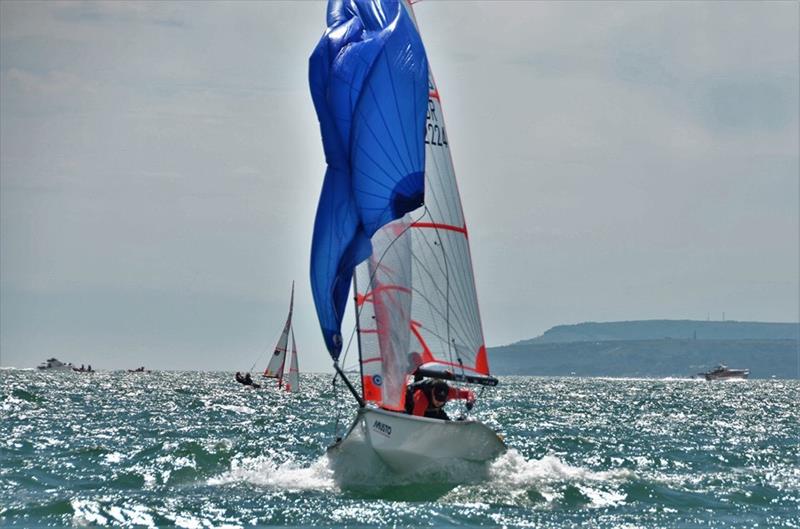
245,380
249,381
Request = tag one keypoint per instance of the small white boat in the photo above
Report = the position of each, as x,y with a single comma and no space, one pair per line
54,364
407,444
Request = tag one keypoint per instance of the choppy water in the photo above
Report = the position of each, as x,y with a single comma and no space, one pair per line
198,450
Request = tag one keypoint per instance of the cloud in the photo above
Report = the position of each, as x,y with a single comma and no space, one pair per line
53,83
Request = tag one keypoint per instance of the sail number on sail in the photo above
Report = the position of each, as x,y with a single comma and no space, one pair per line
435,134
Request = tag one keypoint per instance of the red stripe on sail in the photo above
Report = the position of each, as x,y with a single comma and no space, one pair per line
434,95
437,225
368,297
370,360
459,366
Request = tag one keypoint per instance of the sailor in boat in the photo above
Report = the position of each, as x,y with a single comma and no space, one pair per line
247,380
427,398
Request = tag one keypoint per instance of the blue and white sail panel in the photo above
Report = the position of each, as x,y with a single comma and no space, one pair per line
368,77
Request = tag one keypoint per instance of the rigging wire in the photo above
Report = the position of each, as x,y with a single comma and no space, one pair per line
267,348
261,355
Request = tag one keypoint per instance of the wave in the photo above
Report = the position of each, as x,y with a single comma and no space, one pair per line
246,410
547,482
266,472
687,378
513,469
511,479
26,395
89,512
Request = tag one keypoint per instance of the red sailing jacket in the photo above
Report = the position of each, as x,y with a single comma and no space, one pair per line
421,402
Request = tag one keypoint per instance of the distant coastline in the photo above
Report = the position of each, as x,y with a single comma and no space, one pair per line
654,348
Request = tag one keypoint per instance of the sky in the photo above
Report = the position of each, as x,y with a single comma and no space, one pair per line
160,165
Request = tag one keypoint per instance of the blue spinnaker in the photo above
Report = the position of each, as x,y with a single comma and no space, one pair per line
369,82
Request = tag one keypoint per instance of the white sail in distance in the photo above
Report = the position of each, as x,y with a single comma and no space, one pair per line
275,367
291,382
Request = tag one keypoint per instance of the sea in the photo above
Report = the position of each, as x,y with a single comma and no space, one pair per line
197,450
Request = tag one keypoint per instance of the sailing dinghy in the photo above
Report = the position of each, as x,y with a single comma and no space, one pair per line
390,220
275,368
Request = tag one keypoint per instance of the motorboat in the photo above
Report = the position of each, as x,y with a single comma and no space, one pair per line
723,372
54,364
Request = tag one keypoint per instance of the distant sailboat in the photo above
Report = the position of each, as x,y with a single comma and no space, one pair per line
275,368
390,218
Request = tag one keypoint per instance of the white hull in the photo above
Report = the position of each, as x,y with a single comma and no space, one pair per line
53,364
66,369
406,443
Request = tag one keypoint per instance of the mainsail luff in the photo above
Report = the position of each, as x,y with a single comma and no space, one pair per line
275,367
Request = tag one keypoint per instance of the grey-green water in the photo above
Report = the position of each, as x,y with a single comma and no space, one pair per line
198,450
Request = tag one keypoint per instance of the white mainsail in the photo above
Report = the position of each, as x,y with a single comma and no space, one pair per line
278,359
